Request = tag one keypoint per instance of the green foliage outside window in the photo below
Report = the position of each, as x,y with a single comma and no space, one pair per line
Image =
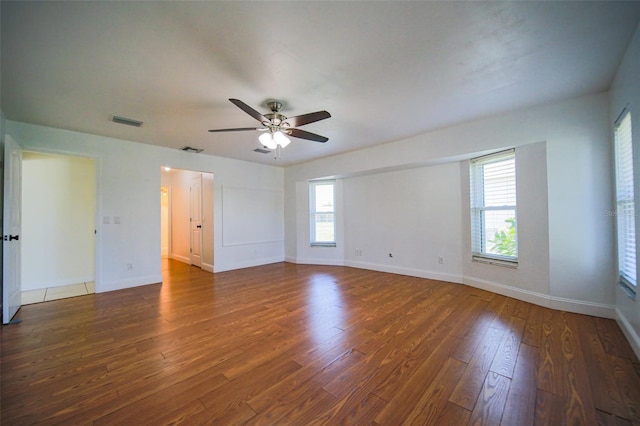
504,241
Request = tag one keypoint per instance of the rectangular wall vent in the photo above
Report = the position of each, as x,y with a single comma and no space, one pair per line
261,150
127,121
191,149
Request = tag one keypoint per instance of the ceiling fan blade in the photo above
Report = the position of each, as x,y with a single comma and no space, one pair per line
297,133
301,120
239,129
252,112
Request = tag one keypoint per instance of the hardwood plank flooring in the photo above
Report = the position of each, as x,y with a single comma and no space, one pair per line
300,344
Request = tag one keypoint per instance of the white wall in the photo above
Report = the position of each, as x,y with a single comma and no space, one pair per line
414,215
565,185
128,184
58,220
625,92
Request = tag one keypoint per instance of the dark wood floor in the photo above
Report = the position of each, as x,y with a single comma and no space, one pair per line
294,344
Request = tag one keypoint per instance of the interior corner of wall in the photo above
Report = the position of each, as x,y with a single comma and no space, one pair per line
628,330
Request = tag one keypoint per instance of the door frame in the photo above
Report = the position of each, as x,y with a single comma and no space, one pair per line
11,279
199,210
208,226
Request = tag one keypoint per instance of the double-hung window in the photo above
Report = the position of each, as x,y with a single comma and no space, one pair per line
323,214
494,226
625,204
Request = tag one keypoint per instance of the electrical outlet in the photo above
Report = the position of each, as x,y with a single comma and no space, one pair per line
358,252
129,266
440,259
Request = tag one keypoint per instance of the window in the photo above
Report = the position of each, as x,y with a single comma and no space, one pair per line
625,204
322,208
494,230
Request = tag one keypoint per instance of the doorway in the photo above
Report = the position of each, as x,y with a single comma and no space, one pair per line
58,226
195,221
187,217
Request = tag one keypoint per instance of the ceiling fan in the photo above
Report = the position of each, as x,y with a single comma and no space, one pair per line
277,127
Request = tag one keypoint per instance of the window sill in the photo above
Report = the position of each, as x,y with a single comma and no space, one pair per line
629,291
497,262
323,244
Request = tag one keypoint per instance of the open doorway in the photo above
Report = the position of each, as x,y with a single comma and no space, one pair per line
58,226
187,217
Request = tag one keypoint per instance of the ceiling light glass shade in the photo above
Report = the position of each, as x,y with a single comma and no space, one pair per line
267,140
281,139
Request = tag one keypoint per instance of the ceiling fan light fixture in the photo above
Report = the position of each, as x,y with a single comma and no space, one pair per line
266,139
281,139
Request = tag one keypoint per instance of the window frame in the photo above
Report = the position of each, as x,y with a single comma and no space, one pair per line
313,213
625,185
477,189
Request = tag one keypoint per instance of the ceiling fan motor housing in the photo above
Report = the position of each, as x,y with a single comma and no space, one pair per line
275,119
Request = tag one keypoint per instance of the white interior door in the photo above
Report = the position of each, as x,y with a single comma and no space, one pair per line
12,225
196,220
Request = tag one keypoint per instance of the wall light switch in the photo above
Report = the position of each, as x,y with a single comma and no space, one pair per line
106,220
116,220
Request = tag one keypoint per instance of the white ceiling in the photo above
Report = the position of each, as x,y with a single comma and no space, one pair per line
384,70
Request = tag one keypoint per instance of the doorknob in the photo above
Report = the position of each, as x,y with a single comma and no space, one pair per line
11,237
199,226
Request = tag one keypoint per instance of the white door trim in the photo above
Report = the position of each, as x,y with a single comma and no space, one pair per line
12,229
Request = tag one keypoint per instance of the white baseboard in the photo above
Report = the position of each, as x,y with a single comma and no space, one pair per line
629,332
179,258
205,266
420,273
380,268
583,307
128,283
247,264
313,261
541,299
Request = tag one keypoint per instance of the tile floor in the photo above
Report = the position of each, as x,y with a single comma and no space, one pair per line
54,293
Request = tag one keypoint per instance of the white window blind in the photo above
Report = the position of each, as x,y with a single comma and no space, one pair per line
625,203
322,208
494,234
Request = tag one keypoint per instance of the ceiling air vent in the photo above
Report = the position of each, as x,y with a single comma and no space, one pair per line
191,149
127,121
261,150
